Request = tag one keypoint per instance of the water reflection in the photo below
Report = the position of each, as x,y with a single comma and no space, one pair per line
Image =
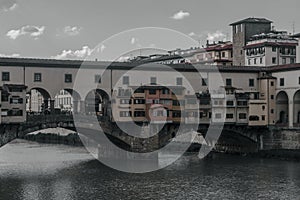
38,171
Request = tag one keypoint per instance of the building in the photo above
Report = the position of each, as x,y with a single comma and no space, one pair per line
13,103
219,53
64,101
242,31
297,36
268,49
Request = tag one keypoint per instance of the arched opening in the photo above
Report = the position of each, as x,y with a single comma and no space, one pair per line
282,108
297,108
97,101
67,101
38,101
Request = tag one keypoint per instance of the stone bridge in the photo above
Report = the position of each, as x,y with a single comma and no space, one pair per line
233,137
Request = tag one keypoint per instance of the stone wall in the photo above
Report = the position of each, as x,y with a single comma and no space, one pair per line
281,139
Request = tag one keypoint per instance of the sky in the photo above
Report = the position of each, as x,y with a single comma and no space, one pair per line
71,29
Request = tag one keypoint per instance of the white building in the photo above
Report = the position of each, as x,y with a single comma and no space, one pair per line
275,48
64,101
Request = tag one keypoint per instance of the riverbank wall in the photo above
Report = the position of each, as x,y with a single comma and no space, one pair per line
54,138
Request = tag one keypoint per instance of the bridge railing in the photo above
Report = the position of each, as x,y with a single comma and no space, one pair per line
49,118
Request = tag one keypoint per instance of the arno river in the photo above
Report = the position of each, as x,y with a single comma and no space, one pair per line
29,170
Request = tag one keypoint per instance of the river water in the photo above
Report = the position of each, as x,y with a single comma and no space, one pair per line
29,170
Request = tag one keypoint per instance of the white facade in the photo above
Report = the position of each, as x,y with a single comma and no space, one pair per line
270,49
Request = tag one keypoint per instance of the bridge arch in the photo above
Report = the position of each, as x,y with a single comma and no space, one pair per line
282,108
296,109
98,101
38,100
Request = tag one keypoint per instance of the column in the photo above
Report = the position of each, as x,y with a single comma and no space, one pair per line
291,114
82,107
46,104
52,106
75,106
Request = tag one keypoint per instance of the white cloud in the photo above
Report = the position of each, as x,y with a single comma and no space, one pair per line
102,47
180,15
76,54
123,59
192,34
133,40
8,5
10,55
216,36
33,31
72,31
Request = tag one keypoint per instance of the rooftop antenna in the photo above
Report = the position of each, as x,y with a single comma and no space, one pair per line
293,28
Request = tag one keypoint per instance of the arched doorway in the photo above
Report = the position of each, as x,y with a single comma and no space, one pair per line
297,108
38,101
282,108
98,101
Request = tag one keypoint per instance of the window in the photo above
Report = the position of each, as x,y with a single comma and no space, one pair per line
68,78
152,91
281,82
139,101
283,60
254,61
37,77
125,114
251,82
204,81
97,78
274,60
223,54
272,83
125,101
249,61
229,103
125,80
260,60
263,117
272,111
254,118
272,96
274,49
228,82
4,97
5,76
218,115
242,116
153,80
15,112
176,114
165,91
139,114
292,60
16,100
229,116
179,81
242,103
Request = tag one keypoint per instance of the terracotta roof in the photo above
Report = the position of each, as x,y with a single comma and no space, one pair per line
271,44
127,66
252,20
